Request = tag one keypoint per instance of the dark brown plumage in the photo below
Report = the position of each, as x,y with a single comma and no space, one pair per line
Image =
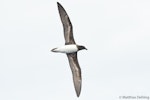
72,57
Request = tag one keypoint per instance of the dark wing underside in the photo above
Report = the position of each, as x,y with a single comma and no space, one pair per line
72,57
68,30
76,72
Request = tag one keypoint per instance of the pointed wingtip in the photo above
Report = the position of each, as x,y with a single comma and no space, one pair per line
77,84
60,7
58,4
78,89
78,94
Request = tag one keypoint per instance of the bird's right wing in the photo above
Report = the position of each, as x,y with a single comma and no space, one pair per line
76,72
68,30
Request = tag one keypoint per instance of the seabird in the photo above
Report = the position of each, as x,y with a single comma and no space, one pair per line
70,48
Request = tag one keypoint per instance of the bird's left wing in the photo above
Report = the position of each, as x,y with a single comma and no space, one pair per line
76,72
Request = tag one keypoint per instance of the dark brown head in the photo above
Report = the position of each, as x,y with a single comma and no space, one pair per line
81,47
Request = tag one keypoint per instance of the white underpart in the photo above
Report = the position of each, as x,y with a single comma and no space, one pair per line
67,49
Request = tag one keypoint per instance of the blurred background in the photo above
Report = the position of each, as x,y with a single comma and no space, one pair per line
115,32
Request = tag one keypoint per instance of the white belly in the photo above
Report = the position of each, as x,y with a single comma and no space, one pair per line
67,49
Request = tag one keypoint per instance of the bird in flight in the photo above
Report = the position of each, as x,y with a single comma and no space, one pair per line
70,49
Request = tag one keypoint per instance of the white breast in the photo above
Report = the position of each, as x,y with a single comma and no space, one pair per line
67,49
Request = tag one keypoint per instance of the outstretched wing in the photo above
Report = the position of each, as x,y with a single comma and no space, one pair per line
68,30
76,72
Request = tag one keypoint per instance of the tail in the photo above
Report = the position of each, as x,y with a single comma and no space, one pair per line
54,50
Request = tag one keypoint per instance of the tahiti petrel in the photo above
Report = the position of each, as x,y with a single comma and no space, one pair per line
70,48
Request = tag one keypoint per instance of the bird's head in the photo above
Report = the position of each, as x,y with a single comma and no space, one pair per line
82,47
